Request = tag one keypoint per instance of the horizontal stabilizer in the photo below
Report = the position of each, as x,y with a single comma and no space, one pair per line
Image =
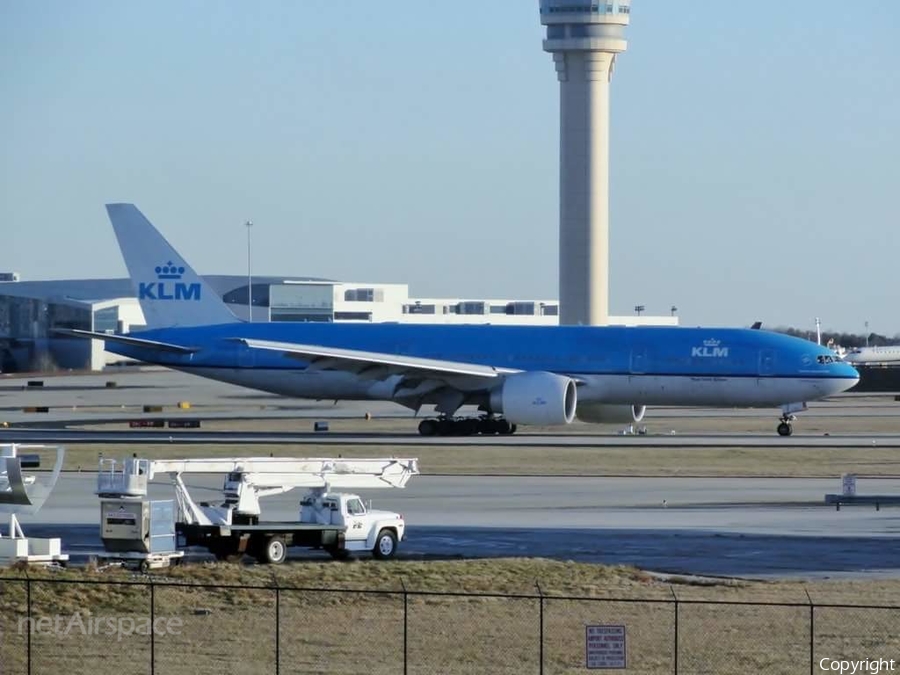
127,340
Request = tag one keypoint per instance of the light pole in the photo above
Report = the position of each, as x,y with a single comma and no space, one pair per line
867,333
673,310
638,309
249,225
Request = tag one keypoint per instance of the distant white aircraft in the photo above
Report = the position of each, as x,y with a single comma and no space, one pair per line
873,355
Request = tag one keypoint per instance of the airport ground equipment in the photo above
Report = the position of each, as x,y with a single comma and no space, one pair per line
336,522
139,532
22,493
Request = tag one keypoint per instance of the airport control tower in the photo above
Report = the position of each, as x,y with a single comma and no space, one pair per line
584,37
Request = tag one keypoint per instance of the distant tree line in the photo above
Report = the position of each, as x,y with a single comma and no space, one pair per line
842,339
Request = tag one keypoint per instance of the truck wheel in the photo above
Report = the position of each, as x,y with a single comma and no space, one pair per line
275,551
385,545
226,552
339,553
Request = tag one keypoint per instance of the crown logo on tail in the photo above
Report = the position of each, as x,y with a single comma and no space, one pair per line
169,271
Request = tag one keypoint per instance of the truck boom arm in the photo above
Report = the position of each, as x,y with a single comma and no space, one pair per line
303,472
247,479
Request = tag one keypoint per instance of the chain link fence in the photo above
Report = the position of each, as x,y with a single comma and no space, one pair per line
146,626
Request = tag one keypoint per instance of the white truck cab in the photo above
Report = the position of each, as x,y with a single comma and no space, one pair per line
364,529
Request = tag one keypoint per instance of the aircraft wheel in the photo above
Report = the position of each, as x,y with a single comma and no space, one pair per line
487,426
428,427
785,429
503,427
468,427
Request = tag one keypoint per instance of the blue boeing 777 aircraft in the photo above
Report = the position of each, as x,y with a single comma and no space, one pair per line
536,375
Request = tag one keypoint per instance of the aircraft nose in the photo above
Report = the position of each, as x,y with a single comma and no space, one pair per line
846,377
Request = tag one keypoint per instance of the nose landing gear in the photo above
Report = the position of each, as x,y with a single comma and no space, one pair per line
785,427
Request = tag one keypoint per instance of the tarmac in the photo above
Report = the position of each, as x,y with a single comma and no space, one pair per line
742,527
518,440
716,527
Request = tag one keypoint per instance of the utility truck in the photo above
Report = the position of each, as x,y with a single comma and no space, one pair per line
336,522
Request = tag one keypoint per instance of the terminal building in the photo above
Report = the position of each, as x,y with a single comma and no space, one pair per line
31,310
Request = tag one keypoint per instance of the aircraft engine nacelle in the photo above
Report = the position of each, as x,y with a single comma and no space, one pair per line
536,398
605,413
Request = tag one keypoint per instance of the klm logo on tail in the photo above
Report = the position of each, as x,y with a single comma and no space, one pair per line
167,286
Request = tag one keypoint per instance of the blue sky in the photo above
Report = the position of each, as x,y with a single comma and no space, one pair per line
754,153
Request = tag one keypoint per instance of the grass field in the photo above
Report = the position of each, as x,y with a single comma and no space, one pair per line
640,460
557,461
361,629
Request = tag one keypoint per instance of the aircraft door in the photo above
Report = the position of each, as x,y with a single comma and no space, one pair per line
639,360
767,362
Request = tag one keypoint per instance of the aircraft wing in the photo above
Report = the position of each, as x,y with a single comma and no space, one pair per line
127,340
358,361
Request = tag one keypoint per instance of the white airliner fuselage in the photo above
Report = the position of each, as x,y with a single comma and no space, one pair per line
863,355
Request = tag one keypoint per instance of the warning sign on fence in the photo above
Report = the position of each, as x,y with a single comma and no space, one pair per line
604,646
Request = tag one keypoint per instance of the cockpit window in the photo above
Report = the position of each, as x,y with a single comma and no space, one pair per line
826,358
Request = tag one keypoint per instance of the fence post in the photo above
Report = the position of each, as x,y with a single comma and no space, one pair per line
675,650
405,626
30,620
277,628
152,627
541,631
812,632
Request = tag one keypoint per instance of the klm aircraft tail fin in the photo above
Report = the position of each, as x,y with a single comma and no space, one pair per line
170,292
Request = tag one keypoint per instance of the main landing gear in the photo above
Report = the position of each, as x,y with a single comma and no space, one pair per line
466,426
786,427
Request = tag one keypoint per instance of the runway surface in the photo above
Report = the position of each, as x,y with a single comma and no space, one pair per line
144,436
87,400
720,527
747,527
